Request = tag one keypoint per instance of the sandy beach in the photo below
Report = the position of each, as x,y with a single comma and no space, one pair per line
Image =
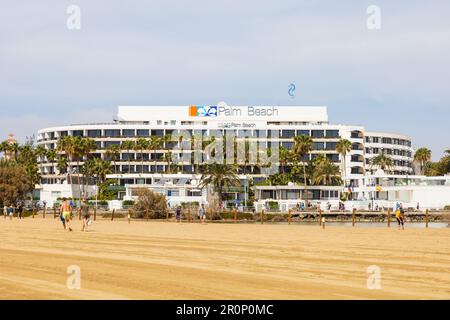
161,260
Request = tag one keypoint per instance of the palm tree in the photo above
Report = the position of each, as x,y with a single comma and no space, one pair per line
40,152
51,156
422,155
218,176
128,146
83,148
141,145
61,164
14,148
326,172
286,157
168,159
343,147
113,153
101,169
302,146
167,155
155,144
66,145
382,161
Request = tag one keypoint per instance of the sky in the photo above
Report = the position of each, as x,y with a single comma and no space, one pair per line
394,79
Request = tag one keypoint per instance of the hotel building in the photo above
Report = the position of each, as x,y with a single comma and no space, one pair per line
267,124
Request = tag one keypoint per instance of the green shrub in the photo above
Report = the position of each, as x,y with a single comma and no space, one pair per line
447,207
272,205
128,203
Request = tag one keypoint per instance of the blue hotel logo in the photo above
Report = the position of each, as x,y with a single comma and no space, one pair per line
203,111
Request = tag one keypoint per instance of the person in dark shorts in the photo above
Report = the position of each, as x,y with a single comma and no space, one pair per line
178,214
85,215
20,211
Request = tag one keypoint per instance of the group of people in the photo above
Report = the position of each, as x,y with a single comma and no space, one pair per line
10,211
201,214
65,214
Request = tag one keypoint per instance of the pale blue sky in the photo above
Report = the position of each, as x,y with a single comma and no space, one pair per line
242,52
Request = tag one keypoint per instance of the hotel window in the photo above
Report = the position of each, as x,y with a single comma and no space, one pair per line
143,133
78,133
317,133
287,145
94,133
273,133
318,146
387,140
158,133
261,133
112,133
287,133
128,133
98,144
331,145
63,133
159,122
303,133
376,140
332,133
127,156
111,143
333,157
173,122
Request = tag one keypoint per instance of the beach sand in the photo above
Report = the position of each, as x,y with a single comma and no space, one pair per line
161,260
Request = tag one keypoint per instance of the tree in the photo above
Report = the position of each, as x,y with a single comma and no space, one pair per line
422,156
218,176
167,138
153,201
326,172
128,146
155,144
14,182
101,169
141,145
343,147
113,153
51,156
302,146
286,157
61,164
83,147
66,144
382,161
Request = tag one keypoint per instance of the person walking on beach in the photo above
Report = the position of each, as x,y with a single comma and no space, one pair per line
178,214
400,216
5,211
202,213
65,213
10,212
20,211
85,214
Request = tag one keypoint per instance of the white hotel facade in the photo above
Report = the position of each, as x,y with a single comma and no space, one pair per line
258,122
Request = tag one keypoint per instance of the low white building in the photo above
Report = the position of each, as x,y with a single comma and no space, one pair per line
384,190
